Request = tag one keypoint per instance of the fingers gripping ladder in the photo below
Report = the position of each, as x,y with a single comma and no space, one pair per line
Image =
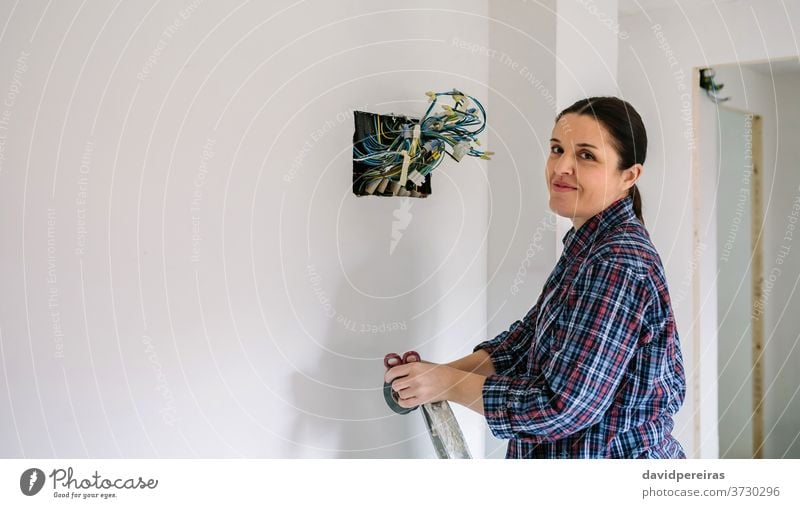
443,429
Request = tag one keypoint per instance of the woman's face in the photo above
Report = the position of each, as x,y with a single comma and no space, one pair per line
583,158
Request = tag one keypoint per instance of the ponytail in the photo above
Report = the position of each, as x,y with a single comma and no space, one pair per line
637,202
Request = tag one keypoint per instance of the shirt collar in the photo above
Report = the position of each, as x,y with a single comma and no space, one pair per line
618,212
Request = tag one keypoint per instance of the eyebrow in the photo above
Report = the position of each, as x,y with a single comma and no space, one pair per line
578,144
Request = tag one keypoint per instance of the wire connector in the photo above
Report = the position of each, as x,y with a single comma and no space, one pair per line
431,145
416,177
461,149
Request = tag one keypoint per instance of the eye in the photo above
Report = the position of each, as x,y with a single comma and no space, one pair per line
589,156
555,149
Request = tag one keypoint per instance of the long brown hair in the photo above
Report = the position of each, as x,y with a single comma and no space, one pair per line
628,134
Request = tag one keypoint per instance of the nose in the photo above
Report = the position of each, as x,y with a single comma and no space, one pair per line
565,165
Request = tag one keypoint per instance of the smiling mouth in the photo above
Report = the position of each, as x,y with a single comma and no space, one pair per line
565,187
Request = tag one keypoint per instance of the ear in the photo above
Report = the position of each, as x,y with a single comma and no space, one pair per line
631,175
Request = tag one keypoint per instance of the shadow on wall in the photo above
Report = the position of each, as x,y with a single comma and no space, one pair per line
339,407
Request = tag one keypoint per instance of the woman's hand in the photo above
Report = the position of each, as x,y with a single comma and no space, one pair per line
421,382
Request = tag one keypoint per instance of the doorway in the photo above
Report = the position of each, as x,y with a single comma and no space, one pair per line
751,191
740,329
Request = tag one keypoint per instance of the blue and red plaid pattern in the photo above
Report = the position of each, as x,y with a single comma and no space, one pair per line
595,368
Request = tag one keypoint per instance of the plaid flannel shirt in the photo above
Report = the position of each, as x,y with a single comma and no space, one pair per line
595,368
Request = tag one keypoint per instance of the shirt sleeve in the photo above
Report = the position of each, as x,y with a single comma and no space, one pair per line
578,382
509,349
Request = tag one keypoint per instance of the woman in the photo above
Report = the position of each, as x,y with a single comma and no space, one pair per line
595,368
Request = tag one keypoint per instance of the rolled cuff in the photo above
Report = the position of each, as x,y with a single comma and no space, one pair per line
499,401
504,359
517,408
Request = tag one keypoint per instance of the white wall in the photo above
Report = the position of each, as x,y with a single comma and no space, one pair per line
521,250
203,309
656,63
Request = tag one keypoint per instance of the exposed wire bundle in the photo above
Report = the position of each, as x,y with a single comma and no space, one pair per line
709,84
396,155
